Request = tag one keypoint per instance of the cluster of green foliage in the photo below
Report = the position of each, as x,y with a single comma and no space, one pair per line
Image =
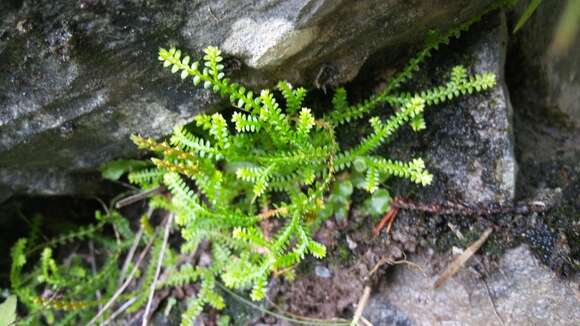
228,173
43,285
273,160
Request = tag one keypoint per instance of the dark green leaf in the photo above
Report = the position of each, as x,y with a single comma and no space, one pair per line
527,14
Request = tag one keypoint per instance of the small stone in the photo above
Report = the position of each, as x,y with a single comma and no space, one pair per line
456,251
351,243
322,271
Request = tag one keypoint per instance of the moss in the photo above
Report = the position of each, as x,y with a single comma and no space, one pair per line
344,254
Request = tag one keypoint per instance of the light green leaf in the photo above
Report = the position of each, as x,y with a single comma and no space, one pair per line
345,188
8,311
378,203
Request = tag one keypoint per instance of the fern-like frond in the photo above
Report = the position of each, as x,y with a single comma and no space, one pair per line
189,169
414,170
211,76
272,116
382,131
272,161
184,139
344,113
246,123
219,130
187,274
305,123
18,255
147,178
372,179
459,85
293,97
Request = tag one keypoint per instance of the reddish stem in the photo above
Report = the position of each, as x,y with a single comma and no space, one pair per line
388,218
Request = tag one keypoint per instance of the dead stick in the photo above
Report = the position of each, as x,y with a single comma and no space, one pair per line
124,286
158,269
133,248
361,305
130,255
452,208
392,220
119,311
137,197
459,261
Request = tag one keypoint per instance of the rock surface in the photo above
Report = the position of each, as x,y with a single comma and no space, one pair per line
545,88
523,291
549,78
78,77
469,143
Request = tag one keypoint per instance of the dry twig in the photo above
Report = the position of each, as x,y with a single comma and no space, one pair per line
158,269
212,14
385,260
133,248
461,259
124,285
137,197
130,255
454,208
119,311
362,303
366,322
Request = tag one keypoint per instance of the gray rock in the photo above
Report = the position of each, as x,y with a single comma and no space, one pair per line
545,86
78,77
553,78
524,292
468,144
381,313
322,271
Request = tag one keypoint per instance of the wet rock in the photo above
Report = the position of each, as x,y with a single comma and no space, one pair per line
524,292
78,77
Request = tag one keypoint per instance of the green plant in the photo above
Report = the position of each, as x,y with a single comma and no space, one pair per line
227,173
271,161
41,286
528,12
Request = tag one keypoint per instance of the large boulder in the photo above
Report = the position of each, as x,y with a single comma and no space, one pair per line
78,77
